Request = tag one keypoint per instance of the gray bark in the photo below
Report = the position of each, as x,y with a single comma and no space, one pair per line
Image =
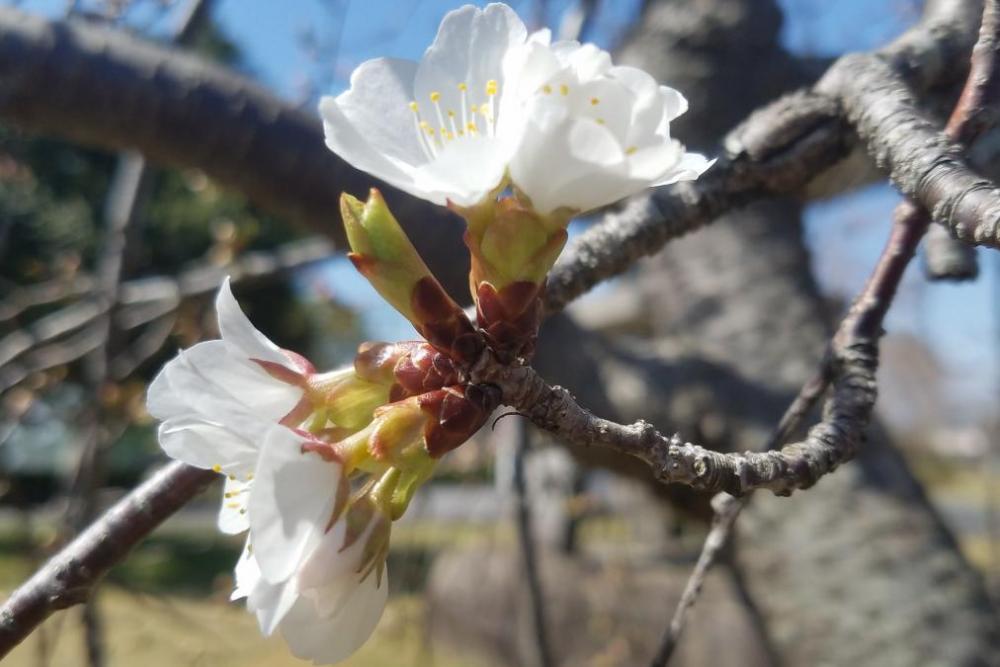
859,569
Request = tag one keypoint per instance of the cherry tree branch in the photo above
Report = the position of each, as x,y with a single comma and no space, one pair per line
68,578
970,118
786,147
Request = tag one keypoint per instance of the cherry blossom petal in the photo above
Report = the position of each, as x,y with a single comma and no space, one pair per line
239,334
327,640
206,445
375,141
292,502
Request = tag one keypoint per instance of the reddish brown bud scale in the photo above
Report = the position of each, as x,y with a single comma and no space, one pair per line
364,264
424,369
442,323
510,317
376,362
455,414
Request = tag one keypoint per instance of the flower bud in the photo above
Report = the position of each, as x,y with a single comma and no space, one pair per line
455,414
411,433
512,248
384,255
423,369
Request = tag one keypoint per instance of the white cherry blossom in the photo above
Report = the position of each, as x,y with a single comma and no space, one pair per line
591,132
314,563
218,398
436,128
488,105
311,578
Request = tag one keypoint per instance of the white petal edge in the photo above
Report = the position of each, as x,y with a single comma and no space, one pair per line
240,335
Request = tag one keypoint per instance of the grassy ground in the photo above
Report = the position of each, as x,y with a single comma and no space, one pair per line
167,605
171,631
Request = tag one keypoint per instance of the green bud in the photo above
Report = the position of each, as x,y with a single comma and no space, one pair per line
384,255
513,248
511,243
381,251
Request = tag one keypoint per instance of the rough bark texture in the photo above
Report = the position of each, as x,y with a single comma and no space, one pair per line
860,568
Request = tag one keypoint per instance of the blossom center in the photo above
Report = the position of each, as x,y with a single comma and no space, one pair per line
454,124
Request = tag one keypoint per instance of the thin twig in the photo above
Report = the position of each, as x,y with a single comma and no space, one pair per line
529,553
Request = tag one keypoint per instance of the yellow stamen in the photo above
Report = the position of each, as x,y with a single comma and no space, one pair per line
594,101
435,96
630,150
547,89
600,121
413,107
216,468
463,87
564,89
491,87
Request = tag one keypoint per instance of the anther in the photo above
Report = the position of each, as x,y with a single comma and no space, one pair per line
563,89
595,101
216,468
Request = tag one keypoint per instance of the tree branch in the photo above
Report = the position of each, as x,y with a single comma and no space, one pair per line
922,162
967,121
69,576
786,147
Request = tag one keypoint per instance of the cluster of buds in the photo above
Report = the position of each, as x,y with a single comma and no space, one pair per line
512,249
392,415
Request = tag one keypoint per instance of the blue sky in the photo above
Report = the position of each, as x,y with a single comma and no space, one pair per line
845,234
